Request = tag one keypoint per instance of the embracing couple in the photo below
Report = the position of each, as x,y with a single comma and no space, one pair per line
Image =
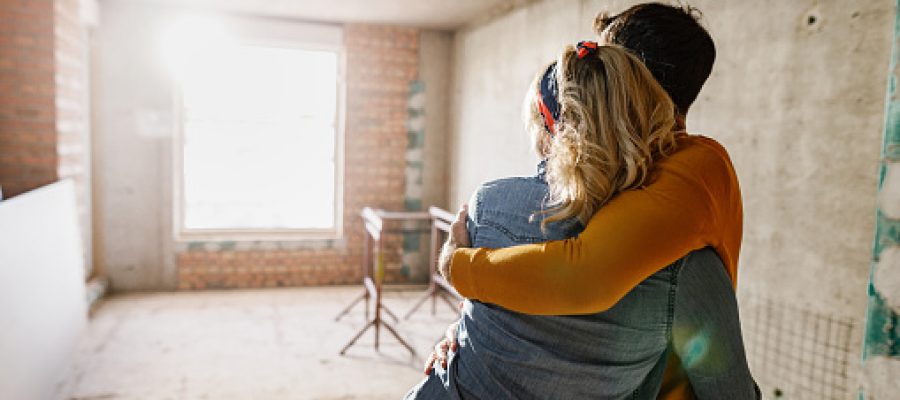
610,273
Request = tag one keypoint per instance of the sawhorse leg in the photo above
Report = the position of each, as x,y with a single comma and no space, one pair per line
364,296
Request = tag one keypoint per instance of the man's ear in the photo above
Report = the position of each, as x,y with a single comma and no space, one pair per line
680,122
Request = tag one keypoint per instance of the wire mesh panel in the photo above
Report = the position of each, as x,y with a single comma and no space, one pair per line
796,353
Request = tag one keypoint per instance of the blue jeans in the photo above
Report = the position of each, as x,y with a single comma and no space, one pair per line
688,307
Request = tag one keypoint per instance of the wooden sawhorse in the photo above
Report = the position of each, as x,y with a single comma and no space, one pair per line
438,287
373,272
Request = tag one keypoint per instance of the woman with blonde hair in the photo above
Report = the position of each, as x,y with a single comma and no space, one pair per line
610,120
599,121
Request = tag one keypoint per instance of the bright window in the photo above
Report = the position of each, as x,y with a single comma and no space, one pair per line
259,139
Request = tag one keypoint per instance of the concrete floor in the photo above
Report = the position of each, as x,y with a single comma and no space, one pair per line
248,344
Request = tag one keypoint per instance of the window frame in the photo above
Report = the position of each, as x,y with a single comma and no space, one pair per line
266,32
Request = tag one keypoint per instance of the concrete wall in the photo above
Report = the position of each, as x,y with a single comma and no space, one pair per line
132,160
133,157
796,96
435,66
881,356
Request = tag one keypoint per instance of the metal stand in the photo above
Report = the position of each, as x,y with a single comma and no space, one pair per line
374,221
438,287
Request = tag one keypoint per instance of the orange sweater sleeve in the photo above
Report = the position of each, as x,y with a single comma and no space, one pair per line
692,201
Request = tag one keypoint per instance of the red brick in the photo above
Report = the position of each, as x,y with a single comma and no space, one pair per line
382,61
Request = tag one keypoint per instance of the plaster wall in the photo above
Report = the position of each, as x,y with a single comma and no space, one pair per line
881,351
799,104
435,66
133,149
796,96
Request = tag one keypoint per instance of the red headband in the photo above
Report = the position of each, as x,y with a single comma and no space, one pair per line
585,48
547,99
548,92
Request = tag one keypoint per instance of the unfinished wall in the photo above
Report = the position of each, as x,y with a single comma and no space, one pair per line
881,356
28,138
72,21
381,64
44,124
805,139
435,68
796,96
134,155
132,162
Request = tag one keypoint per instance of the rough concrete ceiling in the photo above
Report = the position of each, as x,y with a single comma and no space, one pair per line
436,14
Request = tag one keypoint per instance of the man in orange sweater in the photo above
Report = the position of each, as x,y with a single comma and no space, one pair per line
692,201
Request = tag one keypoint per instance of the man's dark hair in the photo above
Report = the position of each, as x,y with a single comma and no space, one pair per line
676,49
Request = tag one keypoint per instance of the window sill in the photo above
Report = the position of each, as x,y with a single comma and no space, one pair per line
285,236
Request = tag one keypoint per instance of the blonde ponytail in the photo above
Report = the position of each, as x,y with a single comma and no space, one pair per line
614,120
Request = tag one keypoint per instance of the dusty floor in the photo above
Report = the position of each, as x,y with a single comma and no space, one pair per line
250,344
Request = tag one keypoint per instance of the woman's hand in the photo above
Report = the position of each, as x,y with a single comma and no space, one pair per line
459,237
442,349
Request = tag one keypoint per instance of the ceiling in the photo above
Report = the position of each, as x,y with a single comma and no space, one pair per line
435,14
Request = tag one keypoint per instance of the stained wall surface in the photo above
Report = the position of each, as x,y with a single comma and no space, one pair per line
796,96
881,355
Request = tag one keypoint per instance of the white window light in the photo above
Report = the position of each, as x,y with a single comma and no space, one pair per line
258,152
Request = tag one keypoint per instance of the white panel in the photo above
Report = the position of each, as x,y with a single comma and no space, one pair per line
42,297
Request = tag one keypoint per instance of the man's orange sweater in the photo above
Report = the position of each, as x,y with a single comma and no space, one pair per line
692,200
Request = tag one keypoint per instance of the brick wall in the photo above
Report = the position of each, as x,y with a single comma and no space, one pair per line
72,119
71,96
43,100
381,63
28,140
